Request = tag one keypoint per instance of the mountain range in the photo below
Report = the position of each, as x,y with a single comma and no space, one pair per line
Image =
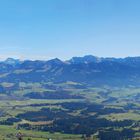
89,70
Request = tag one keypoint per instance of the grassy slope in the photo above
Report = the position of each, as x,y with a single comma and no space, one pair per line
9,133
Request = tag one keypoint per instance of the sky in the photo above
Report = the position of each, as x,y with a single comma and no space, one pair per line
46,29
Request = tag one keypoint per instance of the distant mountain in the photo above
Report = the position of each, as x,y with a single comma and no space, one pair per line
55,61
89,70
12,61
85,59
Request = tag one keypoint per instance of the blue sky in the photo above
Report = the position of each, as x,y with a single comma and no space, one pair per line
45,29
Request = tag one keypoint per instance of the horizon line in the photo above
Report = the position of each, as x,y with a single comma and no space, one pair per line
47,59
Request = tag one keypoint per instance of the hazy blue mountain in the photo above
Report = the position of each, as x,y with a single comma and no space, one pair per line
85,59
89,70
55,61
12,61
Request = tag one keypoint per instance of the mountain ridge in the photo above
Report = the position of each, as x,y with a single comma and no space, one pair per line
76,59
89,70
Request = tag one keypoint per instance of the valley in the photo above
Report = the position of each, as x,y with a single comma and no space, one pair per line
82,98
70,111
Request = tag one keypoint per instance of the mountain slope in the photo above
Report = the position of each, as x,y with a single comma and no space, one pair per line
89,70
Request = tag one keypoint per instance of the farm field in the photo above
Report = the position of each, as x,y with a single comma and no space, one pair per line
69,111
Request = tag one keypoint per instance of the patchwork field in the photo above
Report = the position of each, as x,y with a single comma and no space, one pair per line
68,111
